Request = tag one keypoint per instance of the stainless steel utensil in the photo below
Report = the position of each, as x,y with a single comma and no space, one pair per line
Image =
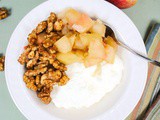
121,43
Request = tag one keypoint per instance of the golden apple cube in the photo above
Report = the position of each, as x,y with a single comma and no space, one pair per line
96,48
110,41
63,45
68,58
99,28
110,54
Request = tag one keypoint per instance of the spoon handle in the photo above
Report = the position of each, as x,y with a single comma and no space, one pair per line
154,62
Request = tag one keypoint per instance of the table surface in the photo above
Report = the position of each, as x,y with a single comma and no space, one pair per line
143,14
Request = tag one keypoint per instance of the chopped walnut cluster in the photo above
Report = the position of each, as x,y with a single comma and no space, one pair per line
43,70
3,13
2,63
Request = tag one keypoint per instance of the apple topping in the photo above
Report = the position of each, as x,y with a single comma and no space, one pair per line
63,45
84,40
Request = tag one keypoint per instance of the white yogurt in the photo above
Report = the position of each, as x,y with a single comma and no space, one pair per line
87,86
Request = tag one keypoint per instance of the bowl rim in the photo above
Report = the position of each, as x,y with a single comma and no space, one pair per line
10,86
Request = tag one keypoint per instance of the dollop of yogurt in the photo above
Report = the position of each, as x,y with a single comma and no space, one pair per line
87,86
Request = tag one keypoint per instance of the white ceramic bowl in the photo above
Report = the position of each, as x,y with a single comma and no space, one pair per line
114,106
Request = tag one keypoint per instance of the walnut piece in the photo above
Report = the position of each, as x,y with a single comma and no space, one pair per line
58,25
41,26
50,22
3,13
2,59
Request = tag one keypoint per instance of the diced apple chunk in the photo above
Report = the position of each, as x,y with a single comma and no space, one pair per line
83,24
72,39
110,41
99,28
78,21
68,58
72,16
89,61
78,44
80,53
110,54
86,38
63,45
96,48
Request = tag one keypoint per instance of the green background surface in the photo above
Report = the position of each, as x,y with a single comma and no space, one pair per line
143,14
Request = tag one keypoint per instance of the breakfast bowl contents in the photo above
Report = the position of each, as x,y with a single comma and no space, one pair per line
91,96
70,54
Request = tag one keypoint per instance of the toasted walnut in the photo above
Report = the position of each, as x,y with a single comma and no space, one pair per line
38,77
58,25
47,43
41,26
50,21
31,86
46,89
55,75
41,65
33,61
52,50
32,37
52,17
42,94
2,63
47,82
46,100
31,55
50,27
58,65
63,80
27,79
35,72
3,13
23,57
39,87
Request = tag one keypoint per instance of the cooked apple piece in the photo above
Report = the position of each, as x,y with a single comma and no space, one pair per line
63,45
89,61
78,21
68,58
80,54
72,16
110,41
99,28
83,24
96,48
69,15
110,54
87,37
72,39
78,44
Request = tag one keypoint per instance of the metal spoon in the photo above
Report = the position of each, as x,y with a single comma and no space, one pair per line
121,43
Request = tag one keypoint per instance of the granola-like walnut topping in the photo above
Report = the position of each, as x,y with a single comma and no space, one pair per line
63,80
50,21
35,72
43,70
32,37
58,25
2,63
58,65
46,100
3,13
41,27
